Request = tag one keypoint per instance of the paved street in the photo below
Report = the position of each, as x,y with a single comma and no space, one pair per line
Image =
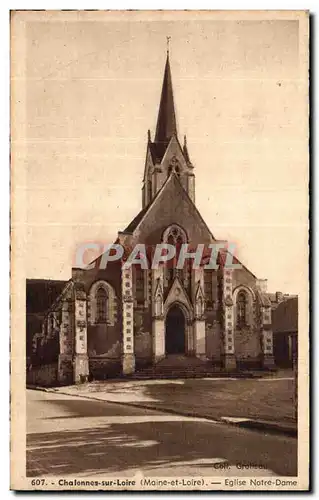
267,398
73,436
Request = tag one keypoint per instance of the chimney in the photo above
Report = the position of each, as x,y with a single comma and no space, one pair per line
279,297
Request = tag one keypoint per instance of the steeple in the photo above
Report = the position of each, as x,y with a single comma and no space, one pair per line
166,121
165,154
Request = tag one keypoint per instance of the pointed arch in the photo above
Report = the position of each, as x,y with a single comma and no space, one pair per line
243,299
199,301
175,330
102,304
158,299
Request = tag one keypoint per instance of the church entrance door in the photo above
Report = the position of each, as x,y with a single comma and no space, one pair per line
175,331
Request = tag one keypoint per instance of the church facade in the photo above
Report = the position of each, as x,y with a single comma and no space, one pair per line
115,320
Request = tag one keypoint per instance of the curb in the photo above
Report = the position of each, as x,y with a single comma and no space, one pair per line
257,425
39,388
270,427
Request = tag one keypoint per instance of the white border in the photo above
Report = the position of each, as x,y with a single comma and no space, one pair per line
312,6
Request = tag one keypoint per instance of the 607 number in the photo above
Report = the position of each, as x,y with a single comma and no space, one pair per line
38,482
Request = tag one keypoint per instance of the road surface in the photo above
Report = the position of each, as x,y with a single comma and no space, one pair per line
73,436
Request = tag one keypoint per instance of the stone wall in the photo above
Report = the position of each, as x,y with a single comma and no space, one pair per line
104,340
111,274
248,350
243,277
44,375
143,348
143,336
65,369
213,342
102,368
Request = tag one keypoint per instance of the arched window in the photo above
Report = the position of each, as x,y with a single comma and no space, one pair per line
176,236
241,309
101,305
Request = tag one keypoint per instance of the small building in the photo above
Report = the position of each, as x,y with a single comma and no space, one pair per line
285,332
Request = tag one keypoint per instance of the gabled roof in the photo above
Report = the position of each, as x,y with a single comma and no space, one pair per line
135,222
158,150
182,296
141,215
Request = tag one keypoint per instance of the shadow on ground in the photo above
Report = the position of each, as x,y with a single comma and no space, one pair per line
127,439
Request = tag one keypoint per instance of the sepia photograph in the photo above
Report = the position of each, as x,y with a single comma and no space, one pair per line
159,250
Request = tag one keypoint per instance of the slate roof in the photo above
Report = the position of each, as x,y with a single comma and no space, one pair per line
166,121
135,222
285,317
157,151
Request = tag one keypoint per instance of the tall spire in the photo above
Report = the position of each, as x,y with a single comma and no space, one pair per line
166,121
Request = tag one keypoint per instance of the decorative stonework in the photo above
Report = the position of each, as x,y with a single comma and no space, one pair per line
127,311
158,300
228,313
158,325
66,334
178,293
175,233
128,357
199,302
266,331
81,364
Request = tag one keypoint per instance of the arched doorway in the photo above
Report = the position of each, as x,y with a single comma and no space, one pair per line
175,331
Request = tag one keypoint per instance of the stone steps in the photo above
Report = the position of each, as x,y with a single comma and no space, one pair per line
177,366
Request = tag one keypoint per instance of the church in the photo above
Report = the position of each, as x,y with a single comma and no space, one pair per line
110,321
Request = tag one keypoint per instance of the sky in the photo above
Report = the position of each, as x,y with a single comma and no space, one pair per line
86,88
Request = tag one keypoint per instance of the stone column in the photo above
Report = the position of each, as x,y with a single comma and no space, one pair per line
128,356
158,323
65,371
199,329
191,349
200,337
228,340
267,338
81,361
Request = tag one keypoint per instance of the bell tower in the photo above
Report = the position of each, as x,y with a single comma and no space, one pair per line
165,156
